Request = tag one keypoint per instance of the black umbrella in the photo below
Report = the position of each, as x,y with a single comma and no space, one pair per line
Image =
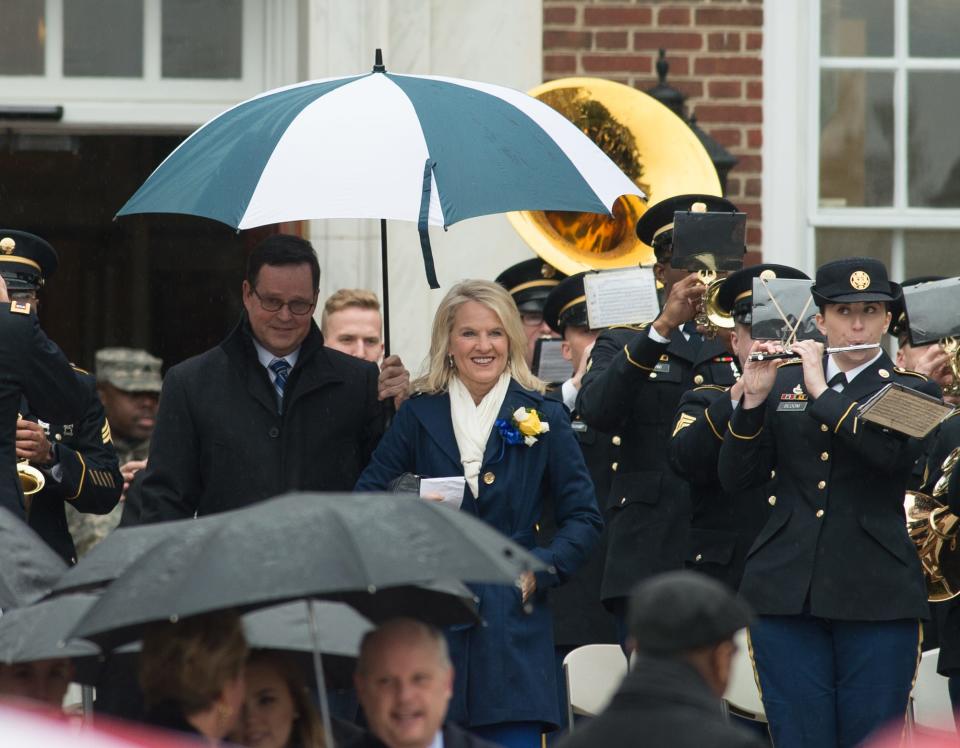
42,631
28,566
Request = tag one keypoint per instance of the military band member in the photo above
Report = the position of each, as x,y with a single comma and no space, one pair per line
723,525
635,378
833,576
529,282
75,457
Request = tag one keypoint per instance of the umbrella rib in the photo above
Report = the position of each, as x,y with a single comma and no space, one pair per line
345,533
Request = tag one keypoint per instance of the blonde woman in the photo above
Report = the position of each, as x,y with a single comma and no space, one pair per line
480,413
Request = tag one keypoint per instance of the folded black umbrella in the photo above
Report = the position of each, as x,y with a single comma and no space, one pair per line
354,548
28,566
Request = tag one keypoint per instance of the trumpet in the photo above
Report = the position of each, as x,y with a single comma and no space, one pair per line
951,347
761,356
709,315
31,480
933,528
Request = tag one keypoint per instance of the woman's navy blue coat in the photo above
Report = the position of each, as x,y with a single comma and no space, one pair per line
505,670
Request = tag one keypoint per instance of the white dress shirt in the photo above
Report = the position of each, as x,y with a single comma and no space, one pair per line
265,357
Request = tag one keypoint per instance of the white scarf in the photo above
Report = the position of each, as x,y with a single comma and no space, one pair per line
473,423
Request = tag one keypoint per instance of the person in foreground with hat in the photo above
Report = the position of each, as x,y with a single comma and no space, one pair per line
529,283
833,576
635,378
77,459
724,525
682,626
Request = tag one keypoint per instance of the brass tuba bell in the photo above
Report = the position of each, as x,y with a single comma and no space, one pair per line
650,144
933,528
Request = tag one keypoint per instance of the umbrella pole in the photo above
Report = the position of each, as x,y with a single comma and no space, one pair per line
321,680
386,287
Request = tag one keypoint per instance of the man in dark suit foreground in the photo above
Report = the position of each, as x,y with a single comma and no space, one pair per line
682,624
405,680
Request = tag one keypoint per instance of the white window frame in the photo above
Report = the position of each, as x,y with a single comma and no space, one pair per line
791,149
269,54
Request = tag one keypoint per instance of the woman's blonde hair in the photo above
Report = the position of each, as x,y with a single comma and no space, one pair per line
498,300
307,729
190,661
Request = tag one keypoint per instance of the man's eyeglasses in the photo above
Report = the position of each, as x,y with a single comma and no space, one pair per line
297,306
531,319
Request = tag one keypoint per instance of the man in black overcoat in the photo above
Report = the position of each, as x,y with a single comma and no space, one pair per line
682,625
635,378
270,409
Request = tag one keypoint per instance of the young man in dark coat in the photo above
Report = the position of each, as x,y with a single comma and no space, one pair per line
270,409
682,625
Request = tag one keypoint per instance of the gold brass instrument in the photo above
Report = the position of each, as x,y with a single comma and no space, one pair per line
709,315
31,479
951,347
650,144
934,528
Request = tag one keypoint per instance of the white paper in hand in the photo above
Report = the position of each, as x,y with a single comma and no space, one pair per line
451,489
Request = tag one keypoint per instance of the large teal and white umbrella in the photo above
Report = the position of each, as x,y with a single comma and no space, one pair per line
428,149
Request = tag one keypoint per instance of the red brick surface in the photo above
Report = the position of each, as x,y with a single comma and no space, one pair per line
714,48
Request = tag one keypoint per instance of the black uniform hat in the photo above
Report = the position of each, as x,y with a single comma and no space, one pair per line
853,279
898,311
26,260
683,610
566,305
529,282
736,292
658,219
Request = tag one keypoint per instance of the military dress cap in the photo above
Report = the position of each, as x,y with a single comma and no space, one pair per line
129,369
683,610
736,292
26,260
530,282
853,279
898,312
658,219
566,305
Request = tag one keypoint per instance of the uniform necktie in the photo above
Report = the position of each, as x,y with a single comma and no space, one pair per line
695,338
838,378
280,368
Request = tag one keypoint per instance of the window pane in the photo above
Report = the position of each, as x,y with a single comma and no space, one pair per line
933,147
24,33
931,253
103,38
933,28
835,244
856,138
856,28
202,38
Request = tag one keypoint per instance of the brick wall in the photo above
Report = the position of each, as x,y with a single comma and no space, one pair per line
714,51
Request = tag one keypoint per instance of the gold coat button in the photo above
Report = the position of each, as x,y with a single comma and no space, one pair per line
653,375
884,373
772,501
623,500
698,379
824,427
822,484
824,456
616,440
489,478
58,437
819,513
699,557
773,474
614,466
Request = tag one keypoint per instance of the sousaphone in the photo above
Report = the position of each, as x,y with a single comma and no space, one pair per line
650,144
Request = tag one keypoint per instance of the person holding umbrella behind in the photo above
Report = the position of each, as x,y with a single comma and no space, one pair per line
191,673
479,413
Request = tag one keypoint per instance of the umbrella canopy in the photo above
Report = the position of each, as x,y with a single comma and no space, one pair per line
42,631
29,567
353,548
428,149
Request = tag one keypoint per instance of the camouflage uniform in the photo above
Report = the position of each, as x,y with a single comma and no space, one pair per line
129,370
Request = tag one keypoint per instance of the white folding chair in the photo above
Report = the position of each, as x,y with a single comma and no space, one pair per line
593,674
743,696
930,704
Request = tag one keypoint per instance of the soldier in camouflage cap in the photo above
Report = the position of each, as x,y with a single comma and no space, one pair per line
128,381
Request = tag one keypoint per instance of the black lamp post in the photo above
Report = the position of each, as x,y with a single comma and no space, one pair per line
674,100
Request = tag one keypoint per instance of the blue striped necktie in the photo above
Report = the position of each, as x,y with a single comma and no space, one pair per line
280,369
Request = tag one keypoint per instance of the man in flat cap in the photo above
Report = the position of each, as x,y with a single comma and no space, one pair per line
77,459
128,382
833,576
682,625
529,283
723,525
633,384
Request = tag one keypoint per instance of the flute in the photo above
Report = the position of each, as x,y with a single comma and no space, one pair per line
761,356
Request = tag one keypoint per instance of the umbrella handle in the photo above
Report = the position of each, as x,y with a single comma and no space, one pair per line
321,680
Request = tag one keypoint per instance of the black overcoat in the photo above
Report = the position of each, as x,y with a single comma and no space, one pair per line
31,365
662,703
632,390
220,443
835,542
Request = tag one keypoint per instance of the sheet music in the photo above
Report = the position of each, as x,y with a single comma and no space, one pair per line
905,410
621,297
